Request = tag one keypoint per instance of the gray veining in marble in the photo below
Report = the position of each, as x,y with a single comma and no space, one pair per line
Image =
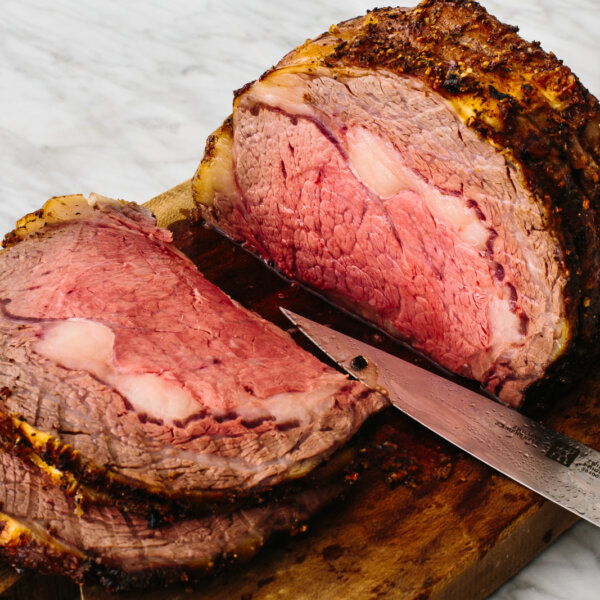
119,96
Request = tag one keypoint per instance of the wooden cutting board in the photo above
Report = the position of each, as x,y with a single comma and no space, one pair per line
422,521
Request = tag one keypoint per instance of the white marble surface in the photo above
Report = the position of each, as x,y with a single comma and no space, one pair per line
118,97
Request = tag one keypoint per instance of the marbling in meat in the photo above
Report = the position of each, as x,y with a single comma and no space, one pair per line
124,370
435,173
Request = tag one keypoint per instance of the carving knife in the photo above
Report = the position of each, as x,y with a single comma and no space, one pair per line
547,462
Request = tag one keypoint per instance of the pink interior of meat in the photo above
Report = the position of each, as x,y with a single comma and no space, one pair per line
371,189
138,316
116,345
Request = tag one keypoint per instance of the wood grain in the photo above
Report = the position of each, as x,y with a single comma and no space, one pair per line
422,521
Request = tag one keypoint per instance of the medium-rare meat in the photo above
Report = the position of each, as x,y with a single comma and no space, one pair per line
39,529
436,174
123,369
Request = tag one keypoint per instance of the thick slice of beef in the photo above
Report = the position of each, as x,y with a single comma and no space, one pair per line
123,369
39,529
436,174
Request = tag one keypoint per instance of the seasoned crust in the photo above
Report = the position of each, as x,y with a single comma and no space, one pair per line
55,210
91,484
521,100
41,528
214,174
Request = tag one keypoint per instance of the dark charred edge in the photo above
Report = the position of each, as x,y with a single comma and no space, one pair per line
32,554
10,239
97,485
115,579
13,237
211,141
29,552
210,152
463,52
51,221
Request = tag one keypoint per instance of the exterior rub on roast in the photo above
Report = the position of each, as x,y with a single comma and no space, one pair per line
435,173
40,528
127,376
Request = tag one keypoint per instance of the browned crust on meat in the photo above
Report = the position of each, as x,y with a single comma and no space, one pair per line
211,142
518,98
95,484
33,539
23,548
204,183
55,210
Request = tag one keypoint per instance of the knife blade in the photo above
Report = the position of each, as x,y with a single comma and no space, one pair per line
547,462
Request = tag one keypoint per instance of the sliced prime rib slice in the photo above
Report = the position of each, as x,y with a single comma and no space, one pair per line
123,369
39,529
436,174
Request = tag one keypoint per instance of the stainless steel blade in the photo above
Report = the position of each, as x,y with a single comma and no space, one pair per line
549,463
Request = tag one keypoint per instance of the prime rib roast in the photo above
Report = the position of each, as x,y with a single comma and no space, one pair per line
434,173
125,374
41,528
152,430
426,169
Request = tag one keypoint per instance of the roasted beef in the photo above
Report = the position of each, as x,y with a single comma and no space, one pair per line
39,529
124,371
436,174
